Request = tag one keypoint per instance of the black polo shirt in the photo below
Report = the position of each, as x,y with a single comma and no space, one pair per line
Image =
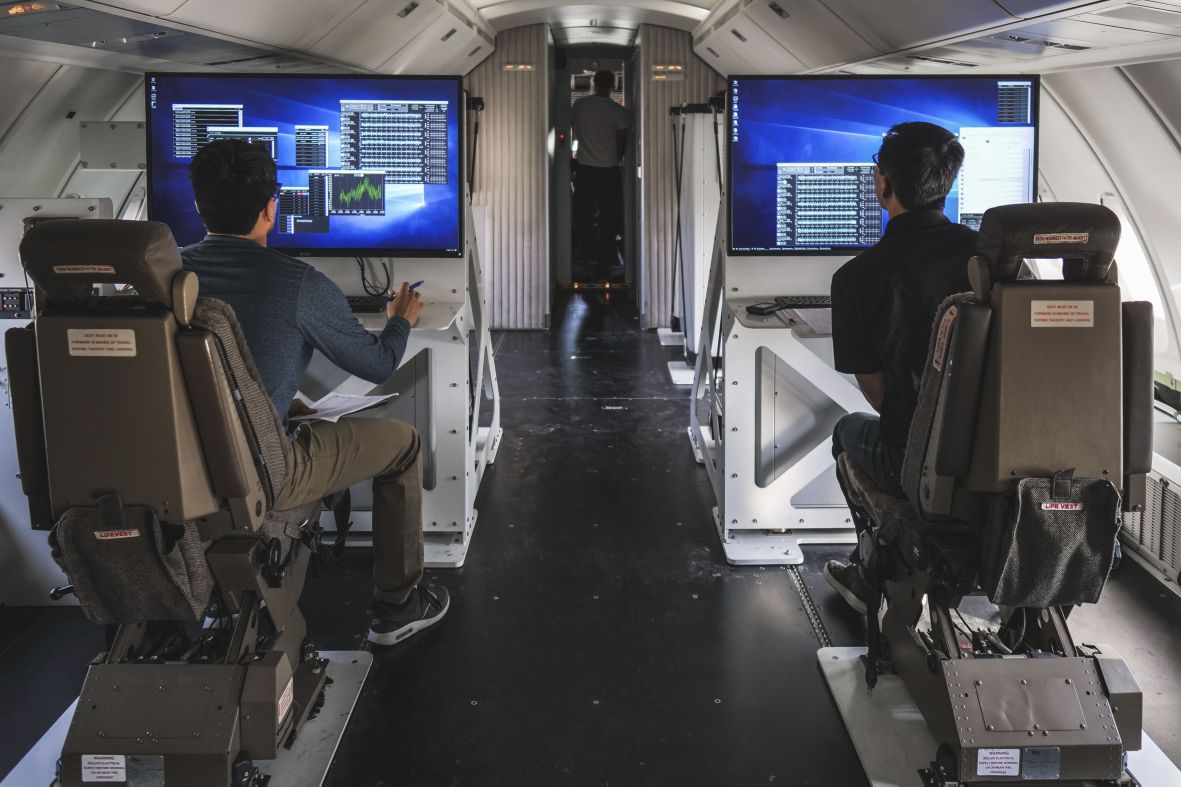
884,302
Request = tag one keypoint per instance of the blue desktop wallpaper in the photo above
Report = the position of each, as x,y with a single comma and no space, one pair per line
828,121
430,223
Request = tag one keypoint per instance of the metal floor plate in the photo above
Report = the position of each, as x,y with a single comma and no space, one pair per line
891,737
312,755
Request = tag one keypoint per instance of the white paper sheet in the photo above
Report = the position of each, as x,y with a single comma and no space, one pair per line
333,407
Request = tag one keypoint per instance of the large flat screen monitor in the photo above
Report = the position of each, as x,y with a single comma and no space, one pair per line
367,165
801,154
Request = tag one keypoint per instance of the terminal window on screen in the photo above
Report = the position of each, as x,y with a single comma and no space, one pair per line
801,152
362,163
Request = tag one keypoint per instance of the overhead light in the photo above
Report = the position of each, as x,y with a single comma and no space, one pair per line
16,9
666,72
518,66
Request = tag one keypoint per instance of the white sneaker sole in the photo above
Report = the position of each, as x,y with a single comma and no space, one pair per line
410,629
848,595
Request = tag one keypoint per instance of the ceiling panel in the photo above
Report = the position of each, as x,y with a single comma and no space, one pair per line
908,23
1161,19
377,30
809,30
292,24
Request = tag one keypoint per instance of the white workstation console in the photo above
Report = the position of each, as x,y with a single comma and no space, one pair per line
445,387
764,403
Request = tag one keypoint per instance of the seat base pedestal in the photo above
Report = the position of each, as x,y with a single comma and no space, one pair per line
307,762
891,737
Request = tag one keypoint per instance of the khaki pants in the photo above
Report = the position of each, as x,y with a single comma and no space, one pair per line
331,457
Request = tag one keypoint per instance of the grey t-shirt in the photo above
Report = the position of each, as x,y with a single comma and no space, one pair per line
597,121
287,309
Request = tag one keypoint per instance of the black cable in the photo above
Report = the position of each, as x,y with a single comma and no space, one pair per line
471,176
369,287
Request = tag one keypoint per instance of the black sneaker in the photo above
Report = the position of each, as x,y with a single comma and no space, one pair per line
391,624
846,579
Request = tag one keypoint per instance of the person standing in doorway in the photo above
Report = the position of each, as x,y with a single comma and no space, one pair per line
600,126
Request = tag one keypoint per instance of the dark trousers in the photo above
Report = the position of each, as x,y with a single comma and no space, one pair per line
860,436
598,214
331,457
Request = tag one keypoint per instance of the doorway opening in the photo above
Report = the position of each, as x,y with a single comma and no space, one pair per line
592,216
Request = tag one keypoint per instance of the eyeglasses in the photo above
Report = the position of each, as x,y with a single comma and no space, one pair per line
278,190
875,160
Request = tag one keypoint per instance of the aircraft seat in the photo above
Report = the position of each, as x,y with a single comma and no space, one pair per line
150,450
1034,415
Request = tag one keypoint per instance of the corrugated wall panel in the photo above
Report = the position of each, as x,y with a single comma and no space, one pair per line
512,178
662,45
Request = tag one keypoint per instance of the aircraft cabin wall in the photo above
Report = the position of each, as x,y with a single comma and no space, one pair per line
41,105
1105,137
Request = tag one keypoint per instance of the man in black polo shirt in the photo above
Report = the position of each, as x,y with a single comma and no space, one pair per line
883,303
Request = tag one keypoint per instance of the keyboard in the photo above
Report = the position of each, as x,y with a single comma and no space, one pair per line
804,301
366,304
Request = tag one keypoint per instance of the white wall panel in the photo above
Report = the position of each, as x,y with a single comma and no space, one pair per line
38,142
512,178
658,223
1088,148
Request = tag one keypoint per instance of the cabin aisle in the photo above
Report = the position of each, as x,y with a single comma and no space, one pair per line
596,635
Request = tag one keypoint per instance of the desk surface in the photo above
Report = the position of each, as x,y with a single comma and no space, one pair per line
436,316
785,318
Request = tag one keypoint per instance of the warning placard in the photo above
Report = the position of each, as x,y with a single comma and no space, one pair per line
1056,238
104,768
109,342
285,701
1062,314
998,762
79,270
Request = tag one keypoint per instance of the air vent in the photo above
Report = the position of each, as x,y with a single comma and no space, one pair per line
941,61
710,49
1057,45
448,34
778,10
407,11
237,60
738,35
475,51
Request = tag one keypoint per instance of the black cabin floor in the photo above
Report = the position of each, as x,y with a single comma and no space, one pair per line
597,635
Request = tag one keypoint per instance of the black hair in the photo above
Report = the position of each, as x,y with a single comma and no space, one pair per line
232,180
921,161
605,79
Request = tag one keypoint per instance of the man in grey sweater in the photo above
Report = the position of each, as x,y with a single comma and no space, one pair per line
287,309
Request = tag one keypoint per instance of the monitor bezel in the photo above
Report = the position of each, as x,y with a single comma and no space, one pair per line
397,253
849,251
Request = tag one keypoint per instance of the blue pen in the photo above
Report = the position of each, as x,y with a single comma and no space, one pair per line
414,286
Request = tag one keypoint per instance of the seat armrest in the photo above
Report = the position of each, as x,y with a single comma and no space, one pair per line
1138,387
965,375
29,424
218,424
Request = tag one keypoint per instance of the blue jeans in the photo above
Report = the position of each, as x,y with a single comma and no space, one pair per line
860,436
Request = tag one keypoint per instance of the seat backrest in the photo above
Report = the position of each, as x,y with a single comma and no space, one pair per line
147,431
151,395
1035,404
1052,395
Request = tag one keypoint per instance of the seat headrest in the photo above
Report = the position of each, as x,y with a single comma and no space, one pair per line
1083,235
65,258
